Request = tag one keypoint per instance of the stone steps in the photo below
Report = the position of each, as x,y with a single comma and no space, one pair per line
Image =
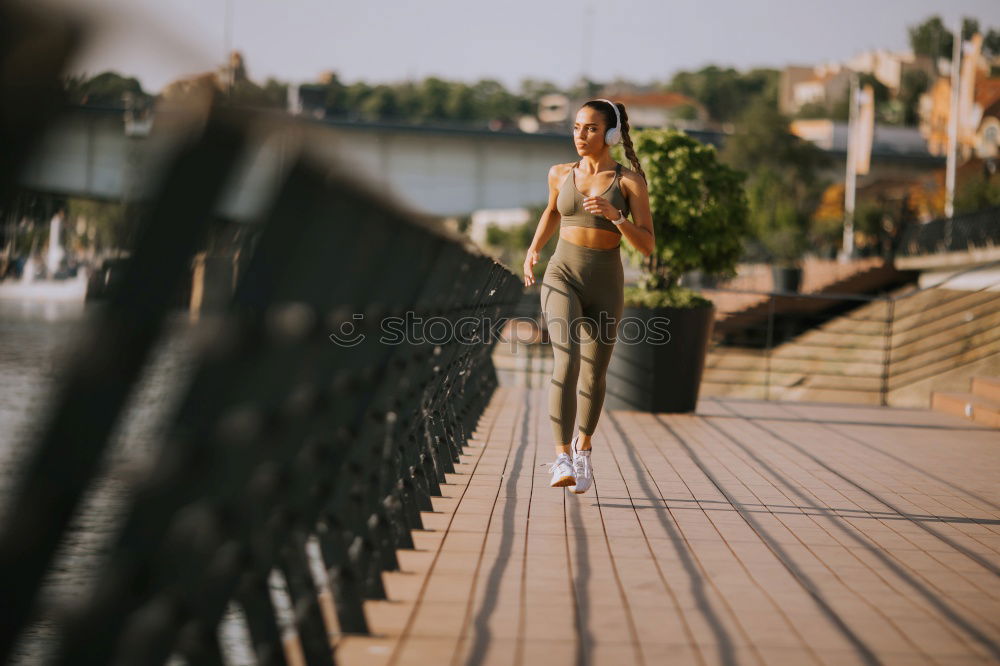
934,332
981,405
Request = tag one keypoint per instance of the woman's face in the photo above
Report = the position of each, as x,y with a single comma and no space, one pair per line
588,131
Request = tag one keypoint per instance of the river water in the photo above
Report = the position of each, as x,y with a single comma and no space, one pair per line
36,339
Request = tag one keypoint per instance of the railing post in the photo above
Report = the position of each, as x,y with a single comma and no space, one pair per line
254,596
344,582
529,357
887,350
308,616
767,349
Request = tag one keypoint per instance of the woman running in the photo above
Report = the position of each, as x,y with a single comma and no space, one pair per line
582,289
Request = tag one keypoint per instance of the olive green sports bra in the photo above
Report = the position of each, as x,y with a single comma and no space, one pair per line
570,203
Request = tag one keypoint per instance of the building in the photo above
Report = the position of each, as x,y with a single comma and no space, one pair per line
645,109
553,108
825,85
983,117
662,109
891,67
935,107
986,109
988,135
791,78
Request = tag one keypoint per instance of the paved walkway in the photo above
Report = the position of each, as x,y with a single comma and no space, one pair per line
747,533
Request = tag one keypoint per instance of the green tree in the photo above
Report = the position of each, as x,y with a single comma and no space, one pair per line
933,39
970,26
991,43
275,93
761,82
354,98
763,138
381,102
460,103
245,92
783,184
337,102
685,112
533,89
431,101
725,92
699,214
776,219
977,193
493,100
105,89
914,84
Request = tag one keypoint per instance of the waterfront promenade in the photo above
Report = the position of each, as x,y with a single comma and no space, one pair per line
746,533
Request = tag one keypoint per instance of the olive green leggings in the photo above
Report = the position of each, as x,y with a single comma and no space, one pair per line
582,302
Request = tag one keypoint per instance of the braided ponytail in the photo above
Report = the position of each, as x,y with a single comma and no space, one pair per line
627,142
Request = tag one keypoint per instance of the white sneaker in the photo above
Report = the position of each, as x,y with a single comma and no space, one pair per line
562,471
582,469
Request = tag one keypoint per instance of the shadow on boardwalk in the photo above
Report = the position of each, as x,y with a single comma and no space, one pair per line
747,533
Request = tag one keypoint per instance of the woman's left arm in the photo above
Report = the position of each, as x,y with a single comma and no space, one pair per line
639,232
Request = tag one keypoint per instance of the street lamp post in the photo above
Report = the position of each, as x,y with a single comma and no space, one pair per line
227,39
850,181
949,186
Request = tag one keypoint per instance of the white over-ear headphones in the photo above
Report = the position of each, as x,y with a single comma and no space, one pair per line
613,135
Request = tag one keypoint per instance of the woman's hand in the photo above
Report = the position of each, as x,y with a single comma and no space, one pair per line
600,206
530,259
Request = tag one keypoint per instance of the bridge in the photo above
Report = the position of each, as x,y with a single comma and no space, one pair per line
435,170
439,171
321,495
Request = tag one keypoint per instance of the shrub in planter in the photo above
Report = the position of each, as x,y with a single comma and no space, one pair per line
700,219
785,247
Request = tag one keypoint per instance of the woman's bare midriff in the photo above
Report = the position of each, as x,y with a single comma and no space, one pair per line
597,239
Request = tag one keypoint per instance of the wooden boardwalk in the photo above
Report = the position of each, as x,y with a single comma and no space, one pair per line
746,533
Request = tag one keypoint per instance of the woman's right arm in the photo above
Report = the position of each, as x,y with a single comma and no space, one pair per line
547,225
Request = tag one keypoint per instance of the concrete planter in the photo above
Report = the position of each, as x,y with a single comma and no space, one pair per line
664,377
786,278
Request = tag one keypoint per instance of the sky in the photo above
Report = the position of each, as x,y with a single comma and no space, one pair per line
378,41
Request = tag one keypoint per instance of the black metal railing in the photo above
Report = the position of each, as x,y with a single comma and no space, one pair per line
858,343
291,431
839,344
959,233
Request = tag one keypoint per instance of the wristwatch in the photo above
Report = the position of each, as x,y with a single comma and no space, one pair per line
621,219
